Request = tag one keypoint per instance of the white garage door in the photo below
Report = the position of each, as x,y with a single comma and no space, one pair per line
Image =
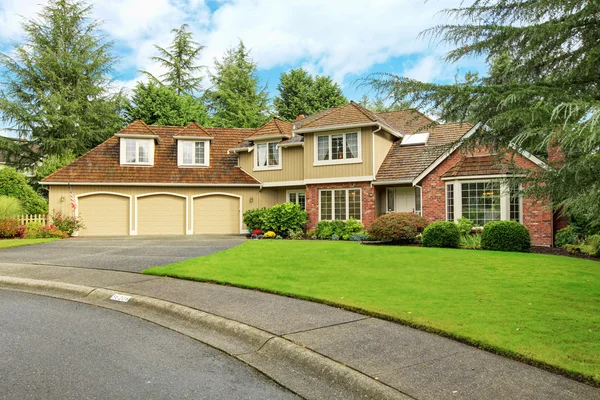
161,215
216,214
104,215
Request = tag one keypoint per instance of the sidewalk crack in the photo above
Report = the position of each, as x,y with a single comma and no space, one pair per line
325,326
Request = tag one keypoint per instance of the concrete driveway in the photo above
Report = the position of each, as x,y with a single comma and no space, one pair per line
132,253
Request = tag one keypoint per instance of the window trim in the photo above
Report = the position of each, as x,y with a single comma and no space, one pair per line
356,160
347,203
180,162
123,151
297,191
268,167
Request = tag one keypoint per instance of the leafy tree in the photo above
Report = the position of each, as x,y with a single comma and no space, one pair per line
542,90
14,184
300,93
48,166
160,105
56,90
179,60
236,98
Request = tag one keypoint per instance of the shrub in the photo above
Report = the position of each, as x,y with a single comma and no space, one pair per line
11,228
32,230
397,227
257,232
10,207
14,184
66,223
352,227
270,235
505,236
278,237
592,246
324,230
284,217
472,242
441,234
312,233
335,237
358,237
465,226
296,235
252,219
566,236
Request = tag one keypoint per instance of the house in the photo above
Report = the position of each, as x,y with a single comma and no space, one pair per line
344,162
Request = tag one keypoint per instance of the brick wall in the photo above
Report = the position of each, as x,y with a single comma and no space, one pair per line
537,216
367,200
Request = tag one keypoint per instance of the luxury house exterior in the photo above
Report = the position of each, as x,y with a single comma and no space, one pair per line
344,162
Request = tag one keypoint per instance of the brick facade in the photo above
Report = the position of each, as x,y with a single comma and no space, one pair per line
367,200
537,216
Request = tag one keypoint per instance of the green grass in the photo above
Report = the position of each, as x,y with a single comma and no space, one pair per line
8,243
543,309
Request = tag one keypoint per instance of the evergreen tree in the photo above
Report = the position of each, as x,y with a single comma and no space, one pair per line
236,98
542,90
160,105
55,92
179,60
300,93
379,105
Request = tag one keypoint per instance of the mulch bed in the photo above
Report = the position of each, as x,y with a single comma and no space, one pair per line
559,251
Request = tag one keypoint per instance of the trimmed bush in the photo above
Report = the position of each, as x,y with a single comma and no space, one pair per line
505,236
11,228
14,184
253,219
441,234
285,217
9,207
397,227
566,236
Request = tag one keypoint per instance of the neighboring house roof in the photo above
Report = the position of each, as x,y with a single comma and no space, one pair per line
296,140
102,164
404,163
408,121
275,127
479,165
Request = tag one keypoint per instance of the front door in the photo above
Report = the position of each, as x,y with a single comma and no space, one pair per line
401,199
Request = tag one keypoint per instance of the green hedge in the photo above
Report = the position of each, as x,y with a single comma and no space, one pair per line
505,236
398,227
441,234
282,218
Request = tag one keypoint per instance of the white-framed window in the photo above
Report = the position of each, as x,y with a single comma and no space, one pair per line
450,202
339,148
193,153
298,197
135,151
268,156
515,203
340,204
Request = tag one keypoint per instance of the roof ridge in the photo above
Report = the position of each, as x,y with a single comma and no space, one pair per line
137,122
362,109
325,113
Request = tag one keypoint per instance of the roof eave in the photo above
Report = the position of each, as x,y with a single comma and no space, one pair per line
138,136
267,137
193,137
349,126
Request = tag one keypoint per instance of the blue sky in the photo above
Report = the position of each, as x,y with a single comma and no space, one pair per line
345,39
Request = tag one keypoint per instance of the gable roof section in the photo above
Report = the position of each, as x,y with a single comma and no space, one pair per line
275,127
193,130
136,128
479,165
408,121
405,163
102,164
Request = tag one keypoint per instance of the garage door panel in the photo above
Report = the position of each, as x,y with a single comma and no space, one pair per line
218,214
104,215
161,215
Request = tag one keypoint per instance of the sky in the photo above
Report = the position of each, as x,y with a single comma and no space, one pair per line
345,39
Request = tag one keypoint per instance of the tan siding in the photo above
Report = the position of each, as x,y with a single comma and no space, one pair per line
342,170
383,144
292,163
161,215
216,214
104,215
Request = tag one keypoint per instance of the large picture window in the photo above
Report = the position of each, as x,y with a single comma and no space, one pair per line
340,204
481,202
136,151
193,153
337,148
267,155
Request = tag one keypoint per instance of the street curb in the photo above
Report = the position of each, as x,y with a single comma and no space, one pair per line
303,371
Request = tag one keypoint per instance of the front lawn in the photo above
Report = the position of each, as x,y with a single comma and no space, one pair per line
535,307
8,243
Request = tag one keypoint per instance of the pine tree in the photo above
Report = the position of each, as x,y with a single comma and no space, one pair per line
179,60
301,93
236,98
56,91
542,90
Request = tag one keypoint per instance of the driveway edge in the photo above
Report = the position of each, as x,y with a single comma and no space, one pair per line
303,371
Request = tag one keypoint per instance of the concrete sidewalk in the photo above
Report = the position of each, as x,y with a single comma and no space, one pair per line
317,351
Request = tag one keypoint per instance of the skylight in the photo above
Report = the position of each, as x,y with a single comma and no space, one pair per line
415,139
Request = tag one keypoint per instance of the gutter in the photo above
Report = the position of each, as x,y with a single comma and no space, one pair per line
350,126
399,182
162,184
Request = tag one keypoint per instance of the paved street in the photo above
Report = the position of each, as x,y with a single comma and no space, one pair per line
130,253
57,349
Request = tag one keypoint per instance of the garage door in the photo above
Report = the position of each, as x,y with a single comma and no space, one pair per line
104,215
216,214
161,215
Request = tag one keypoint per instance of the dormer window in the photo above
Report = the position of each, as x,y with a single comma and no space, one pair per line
136,151
341,148
268,156
193,153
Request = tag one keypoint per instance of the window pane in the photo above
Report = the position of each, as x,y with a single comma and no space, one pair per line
418,200
199,152
130,151
515,203
481,202
340,204
187,156
326,205
450,202
352,145
273,154
293,197
302,200
354,204
391,200
337,147
261,155
143,150
323,148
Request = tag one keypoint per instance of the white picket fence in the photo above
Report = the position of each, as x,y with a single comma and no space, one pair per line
24,219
